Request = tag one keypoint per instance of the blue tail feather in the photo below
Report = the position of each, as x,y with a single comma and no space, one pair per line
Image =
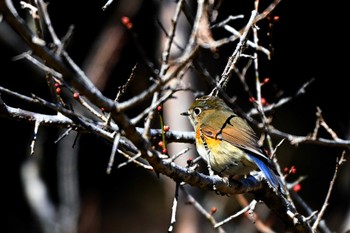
269,174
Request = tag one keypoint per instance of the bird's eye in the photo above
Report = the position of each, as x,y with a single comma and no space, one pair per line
197,111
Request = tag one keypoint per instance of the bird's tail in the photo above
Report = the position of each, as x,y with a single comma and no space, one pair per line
273,179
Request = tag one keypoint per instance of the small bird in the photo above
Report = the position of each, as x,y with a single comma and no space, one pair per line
227,143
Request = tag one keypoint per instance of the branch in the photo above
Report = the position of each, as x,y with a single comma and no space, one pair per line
282,101
77,79
209,216
323,209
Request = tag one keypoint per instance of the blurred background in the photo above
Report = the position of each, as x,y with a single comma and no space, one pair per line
307,42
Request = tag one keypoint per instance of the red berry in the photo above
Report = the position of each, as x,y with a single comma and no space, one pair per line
165,151
213,210
126,22
276,18
263,101
159,108
103,109
57,84
297,188
293,170
76,95
58,90
160,143
166,128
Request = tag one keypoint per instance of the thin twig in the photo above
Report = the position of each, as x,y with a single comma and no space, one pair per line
122,91
113,152
282,101
164,66
325,125
311,214
170,39
153,106
88,107
242,211
109,2
167,34
191,200
339,162
226,75
42,6
133,159
35,135
174,208
182,152
29,57
65,134
252,216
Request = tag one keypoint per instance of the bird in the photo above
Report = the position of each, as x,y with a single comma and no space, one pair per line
228,143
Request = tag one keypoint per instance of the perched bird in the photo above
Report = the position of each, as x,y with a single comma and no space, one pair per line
227,143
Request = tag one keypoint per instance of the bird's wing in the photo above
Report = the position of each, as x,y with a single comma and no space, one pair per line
235,131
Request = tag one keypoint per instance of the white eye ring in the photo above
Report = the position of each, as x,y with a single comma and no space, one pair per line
197,111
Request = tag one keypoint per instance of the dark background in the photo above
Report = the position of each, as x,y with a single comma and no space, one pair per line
308,42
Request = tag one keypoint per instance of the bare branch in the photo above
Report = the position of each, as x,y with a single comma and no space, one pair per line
242,211
339,162
113,152
282,101
325,125
174,208
35,134
225,76
76,79
191,200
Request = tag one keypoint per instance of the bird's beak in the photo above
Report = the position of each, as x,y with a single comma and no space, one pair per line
184,114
